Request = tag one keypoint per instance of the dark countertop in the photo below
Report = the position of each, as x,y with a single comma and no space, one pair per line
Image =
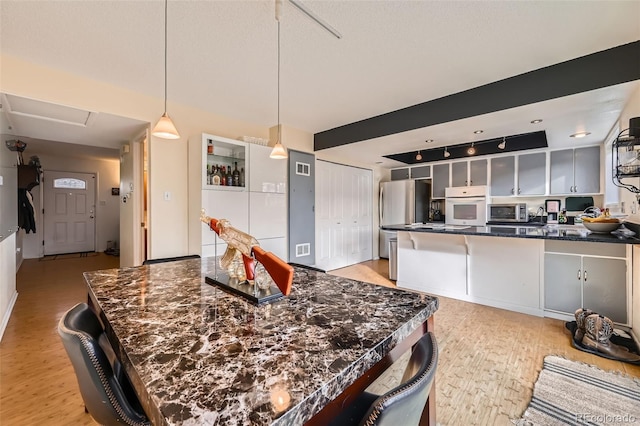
198,355
549,232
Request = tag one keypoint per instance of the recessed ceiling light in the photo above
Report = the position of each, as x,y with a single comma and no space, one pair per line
580,134
536,121
477,132
429,141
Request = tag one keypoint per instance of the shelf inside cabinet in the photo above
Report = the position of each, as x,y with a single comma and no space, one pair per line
627,152
228,156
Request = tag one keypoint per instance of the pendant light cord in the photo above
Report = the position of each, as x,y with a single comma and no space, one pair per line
279,138
165,55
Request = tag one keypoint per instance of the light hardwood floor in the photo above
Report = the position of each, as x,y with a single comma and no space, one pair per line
489,358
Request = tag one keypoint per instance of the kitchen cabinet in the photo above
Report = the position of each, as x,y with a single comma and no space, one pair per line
505,272
469,173
591,276
258,208
575,171
503,175
420,172
529,179
532,174
440,180
400,174
224,163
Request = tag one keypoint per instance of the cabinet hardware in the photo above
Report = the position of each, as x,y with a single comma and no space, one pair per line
585,276
512,192
578,274
518,190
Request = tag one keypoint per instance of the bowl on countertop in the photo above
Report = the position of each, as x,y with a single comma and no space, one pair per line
601,227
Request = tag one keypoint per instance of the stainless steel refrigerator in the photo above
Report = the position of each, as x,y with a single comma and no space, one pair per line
402,202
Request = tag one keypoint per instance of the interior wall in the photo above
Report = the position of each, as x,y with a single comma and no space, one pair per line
303,141
168,228
107,209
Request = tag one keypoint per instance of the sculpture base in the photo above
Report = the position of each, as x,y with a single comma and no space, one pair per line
244,289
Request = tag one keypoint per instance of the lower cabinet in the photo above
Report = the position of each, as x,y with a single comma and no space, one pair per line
591,276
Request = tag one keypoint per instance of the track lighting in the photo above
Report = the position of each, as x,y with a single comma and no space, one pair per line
503,144
418,156
471,150
446,153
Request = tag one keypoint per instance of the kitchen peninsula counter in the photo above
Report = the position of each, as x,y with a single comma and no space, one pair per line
549,232
198,355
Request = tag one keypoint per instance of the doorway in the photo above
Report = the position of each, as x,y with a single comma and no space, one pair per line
69,212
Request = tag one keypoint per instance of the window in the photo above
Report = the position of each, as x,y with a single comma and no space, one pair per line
69,183
303,169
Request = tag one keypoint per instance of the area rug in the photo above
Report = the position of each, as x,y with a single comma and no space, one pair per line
573,393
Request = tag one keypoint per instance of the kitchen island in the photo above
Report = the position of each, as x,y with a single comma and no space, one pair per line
538,270
198,355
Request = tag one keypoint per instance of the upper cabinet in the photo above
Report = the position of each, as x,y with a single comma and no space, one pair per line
518,175
224,163
531,173
503,171
440,180
267,174
575,171
469,173
400,174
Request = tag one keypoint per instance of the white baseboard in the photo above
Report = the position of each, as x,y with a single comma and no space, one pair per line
7,314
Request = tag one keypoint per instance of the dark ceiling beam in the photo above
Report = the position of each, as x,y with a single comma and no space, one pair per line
609,67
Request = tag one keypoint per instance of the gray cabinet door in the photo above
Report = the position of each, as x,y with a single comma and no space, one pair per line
605,287
478,172
440,180
562,282
531,174
400,174
587,170
459,173
503,175
561,164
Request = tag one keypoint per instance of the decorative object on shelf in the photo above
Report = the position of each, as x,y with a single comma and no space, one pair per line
279,151
165,128
254,140
241,243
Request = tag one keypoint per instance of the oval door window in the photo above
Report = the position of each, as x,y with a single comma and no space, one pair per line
69,183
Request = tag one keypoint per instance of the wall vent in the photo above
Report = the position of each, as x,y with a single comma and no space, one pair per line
303,169
303,249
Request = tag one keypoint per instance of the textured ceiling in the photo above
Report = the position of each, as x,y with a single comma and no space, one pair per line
393,54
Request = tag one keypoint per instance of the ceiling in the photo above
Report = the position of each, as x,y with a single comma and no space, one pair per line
393,54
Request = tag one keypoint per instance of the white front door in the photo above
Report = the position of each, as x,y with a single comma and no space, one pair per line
69,212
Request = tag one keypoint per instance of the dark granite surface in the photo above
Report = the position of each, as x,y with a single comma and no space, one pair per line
198,355
550,232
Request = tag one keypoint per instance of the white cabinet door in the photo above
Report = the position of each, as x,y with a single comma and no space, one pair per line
440,180
265,173
505,271
477,172
605,287
267,215
230,205
562,282
459,173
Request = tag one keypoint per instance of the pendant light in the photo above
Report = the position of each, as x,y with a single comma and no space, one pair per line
279,152
165,128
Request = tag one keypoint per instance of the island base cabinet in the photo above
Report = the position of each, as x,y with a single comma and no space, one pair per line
580,280
505,273
433,263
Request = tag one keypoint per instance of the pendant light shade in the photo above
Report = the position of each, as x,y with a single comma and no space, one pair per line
165,128
279,152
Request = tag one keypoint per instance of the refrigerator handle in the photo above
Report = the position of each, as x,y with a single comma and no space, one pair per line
380,215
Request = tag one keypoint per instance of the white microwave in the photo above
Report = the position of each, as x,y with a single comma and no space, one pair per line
466,206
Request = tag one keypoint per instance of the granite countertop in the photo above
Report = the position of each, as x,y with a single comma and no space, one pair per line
199,355
549,232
